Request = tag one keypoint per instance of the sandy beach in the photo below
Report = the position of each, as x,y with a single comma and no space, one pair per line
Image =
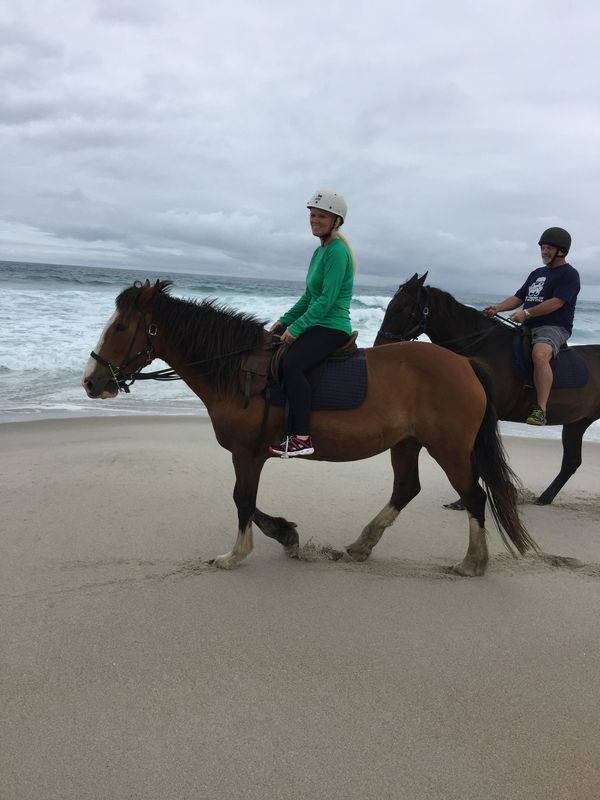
133,670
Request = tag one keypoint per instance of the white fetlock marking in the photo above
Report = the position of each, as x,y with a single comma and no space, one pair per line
477,552
241,549
373,532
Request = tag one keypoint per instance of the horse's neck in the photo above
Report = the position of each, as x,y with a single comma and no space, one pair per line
454,332
195,375
451,334
190,374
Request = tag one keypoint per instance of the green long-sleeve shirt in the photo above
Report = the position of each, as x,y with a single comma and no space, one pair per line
326,300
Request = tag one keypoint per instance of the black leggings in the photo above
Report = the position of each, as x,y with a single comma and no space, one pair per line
309,349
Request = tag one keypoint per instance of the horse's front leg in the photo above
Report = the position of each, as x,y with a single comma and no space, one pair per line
280,529
247,473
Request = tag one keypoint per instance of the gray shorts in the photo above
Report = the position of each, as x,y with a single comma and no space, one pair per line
553,335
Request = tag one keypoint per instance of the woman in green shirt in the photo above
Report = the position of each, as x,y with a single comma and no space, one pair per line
319,323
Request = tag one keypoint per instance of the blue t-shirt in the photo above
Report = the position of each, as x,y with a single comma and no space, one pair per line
546,282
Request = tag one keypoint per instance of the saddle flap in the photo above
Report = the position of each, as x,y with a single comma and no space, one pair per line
255,368
258,366
569,369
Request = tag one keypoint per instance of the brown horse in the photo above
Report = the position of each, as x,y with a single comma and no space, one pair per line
417,309
406,408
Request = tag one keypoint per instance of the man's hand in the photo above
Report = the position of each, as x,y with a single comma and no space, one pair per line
489,311
519,316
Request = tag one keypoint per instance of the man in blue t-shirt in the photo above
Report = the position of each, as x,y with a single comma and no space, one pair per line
548,297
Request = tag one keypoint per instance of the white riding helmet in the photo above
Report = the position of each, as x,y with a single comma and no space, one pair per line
329,200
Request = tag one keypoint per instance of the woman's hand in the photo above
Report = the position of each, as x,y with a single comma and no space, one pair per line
276,327
287,337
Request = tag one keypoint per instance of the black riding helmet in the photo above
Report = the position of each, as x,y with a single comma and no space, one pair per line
557,237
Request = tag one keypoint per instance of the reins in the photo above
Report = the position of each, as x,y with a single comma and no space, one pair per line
121,377
479,336
421,327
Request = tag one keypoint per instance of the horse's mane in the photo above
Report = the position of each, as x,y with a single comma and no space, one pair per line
204,331
450,309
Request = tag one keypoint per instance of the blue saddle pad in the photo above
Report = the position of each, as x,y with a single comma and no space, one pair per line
568,366
336,384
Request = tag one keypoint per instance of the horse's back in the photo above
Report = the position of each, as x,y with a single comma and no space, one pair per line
570,404
590,354
426,376
422,358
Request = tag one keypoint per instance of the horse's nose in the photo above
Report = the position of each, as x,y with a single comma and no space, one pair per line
88,385
93,383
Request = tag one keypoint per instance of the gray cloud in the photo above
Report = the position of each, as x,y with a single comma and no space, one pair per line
189,137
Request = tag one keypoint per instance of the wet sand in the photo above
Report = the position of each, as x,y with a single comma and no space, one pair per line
132,669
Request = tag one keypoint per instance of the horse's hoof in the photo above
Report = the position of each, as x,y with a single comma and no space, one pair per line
339,555
457,505
539,501
468,569
224,562
293,551
358,555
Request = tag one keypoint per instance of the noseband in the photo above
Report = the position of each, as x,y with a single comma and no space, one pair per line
417,329
119,374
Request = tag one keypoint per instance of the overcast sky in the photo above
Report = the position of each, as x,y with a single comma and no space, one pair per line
189,135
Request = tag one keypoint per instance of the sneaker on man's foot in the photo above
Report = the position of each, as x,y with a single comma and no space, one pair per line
536,417
293,446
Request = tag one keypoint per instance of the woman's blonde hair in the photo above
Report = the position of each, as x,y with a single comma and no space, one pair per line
350,250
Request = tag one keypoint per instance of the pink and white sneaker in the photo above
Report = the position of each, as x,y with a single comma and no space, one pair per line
293,446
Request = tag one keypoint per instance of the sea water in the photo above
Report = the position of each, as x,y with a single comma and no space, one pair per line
51,317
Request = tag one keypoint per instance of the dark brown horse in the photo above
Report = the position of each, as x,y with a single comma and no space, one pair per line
417,309
406,408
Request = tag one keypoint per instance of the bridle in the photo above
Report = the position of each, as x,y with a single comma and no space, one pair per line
119,374
417,329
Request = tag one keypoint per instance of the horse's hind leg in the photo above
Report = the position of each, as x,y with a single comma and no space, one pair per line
475,561
572,434
461,475
405,462
280,529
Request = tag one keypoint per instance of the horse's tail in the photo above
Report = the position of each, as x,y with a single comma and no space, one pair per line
490,462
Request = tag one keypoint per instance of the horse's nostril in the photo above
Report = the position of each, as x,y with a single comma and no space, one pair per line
88,385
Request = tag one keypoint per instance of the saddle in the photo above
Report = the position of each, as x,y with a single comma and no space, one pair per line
568,366
260,369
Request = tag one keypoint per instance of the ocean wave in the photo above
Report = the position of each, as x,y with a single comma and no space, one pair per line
371,301
53,315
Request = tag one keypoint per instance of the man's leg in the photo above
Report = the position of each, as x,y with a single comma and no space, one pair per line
542,372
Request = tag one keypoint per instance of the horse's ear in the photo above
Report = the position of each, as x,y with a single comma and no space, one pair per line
422,278
147,293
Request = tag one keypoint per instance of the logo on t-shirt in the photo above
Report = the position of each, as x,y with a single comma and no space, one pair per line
533,293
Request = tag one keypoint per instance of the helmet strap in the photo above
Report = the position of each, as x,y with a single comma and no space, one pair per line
559,254
336,225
